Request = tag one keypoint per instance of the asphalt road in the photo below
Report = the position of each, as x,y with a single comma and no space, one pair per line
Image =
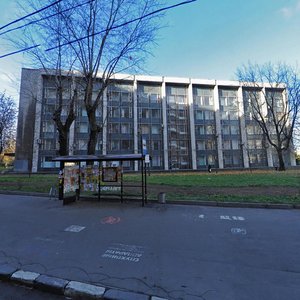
175,252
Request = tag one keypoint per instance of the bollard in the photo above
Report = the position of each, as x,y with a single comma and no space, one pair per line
162,198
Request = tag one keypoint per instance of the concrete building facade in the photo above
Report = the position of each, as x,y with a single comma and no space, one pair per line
187,124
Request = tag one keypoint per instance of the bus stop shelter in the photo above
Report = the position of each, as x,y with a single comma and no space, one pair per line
101,177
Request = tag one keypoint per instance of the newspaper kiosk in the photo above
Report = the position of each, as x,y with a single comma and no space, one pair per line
100,176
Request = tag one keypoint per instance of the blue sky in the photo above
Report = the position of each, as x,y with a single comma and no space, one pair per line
207,39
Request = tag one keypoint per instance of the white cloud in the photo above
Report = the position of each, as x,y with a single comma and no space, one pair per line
290,11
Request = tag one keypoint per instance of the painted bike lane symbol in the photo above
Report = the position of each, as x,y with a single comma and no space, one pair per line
110,220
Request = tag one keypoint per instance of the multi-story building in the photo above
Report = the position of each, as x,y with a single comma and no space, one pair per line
188,124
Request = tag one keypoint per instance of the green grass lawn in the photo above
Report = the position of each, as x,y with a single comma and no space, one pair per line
234,198
33,183
226,179
180,184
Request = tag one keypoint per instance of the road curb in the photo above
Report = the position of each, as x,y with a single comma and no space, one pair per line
6,271
51,284
68,288
185,202
24,277
230,204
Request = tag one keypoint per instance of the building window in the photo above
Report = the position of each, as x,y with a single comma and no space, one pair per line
154,98
149,92
155,113
155,129
201,160
51,92
82,144
114,112
48,109
233,115
200,145
156,161
145,113
234,129
83,128
114,128
227,159
145,129
125,128
226,145
126,97
236,159
224,115
48,144
199,115
211,159
235,144
114,145
200,129
182,129
210,129
225,129
210,145
48,126
156,145
126,112
126,145
209,115
203,96
46,162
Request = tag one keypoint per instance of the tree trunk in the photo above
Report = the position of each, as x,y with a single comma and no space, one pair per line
281,166
92,142
63,142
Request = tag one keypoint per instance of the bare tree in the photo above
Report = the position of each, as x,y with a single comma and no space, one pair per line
108,37
8,113
93,39
274,102
58,66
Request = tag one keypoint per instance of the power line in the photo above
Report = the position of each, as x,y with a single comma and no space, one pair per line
19,51
123,24
31,14
45,18
114,27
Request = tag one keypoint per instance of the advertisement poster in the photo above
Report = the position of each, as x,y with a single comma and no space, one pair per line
110,174
89,178
71,179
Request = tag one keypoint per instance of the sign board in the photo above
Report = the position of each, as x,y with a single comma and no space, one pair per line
147,159
110,174
144,146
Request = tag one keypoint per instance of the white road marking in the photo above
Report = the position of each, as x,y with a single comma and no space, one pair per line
232,218
242,231
74,228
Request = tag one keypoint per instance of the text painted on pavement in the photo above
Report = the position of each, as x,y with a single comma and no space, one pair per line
129,253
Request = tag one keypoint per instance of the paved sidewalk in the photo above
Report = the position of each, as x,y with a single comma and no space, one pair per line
114,251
